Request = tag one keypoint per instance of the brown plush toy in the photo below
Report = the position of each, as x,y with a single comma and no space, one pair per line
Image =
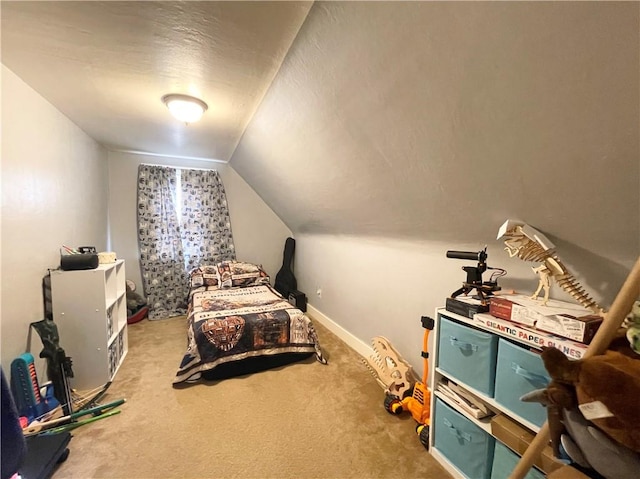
608,382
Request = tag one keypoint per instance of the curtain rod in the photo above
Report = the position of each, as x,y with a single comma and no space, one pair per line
160,155
180,167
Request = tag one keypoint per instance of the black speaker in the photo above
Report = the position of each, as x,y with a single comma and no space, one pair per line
72,262
299,300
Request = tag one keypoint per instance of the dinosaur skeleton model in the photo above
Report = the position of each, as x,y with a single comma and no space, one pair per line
529,244
403,391
392,373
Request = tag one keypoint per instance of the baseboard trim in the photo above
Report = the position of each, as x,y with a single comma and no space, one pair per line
349,339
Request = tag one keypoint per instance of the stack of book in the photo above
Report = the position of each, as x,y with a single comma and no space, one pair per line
464,399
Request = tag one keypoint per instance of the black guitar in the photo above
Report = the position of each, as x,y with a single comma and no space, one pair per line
285,280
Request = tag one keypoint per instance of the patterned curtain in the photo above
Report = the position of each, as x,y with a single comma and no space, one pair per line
206,226
159,240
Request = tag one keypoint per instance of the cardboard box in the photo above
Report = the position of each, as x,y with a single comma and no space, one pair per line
530,336
518,438
521,309
581,329
509,309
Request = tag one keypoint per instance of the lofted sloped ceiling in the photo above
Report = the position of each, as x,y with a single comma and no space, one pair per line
106,65
419,120
439,120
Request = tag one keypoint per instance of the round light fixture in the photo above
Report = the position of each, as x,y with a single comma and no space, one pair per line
185,108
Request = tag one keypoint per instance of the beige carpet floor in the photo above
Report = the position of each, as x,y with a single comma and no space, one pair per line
303,420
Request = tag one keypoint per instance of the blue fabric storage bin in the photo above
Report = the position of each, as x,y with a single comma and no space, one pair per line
465,445
505,461
518,372
468,355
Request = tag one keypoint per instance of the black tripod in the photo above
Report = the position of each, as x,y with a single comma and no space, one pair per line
474,275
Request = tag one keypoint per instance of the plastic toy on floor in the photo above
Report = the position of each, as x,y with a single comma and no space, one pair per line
26,390
402,391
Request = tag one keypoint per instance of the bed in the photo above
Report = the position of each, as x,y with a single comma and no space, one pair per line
238,324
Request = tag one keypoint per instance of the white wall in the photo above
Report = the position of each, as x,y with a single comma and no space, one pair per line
375,286
258,234
54,192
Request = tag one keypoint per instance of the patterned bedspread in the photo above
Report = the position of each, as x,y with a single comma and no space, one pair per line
226,325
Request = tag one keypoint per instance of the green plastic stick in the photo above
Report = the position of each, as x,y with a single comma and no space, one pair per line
99,408
73,425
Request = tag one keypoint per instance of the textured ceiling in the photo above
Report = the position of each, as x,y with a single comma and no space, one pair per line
427,120
439,120
106,65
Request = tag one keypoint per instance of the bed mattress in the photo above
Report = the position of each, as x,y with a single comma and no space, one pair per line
240,325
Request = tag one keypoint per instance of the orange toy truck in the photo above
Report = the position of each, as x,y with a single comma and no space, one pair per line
416,400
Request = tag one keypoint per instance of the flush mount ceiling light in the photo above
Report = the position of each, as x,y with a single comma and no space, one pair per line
185,108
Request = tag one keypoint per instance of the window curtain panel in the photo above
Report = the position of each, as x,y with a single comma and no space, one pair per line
160,242
206,225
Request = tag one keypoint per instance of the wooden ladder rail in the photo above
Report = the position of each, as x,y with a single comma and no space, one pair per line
628,294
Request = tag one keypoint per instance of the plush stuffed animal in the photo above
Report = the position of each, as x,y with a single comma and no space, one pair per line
590,448
632,323
609,381
605,389
134,300
607,384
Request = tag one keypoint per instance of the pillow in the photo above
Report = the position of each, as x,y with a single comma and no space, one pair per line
203,276
239,274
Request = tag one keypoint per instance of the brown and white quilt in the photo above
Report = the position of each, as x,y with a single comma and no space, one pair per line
236,323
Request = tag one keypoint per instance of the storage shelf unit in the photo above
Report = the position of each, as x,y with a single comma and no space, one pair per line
90,310
437,373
